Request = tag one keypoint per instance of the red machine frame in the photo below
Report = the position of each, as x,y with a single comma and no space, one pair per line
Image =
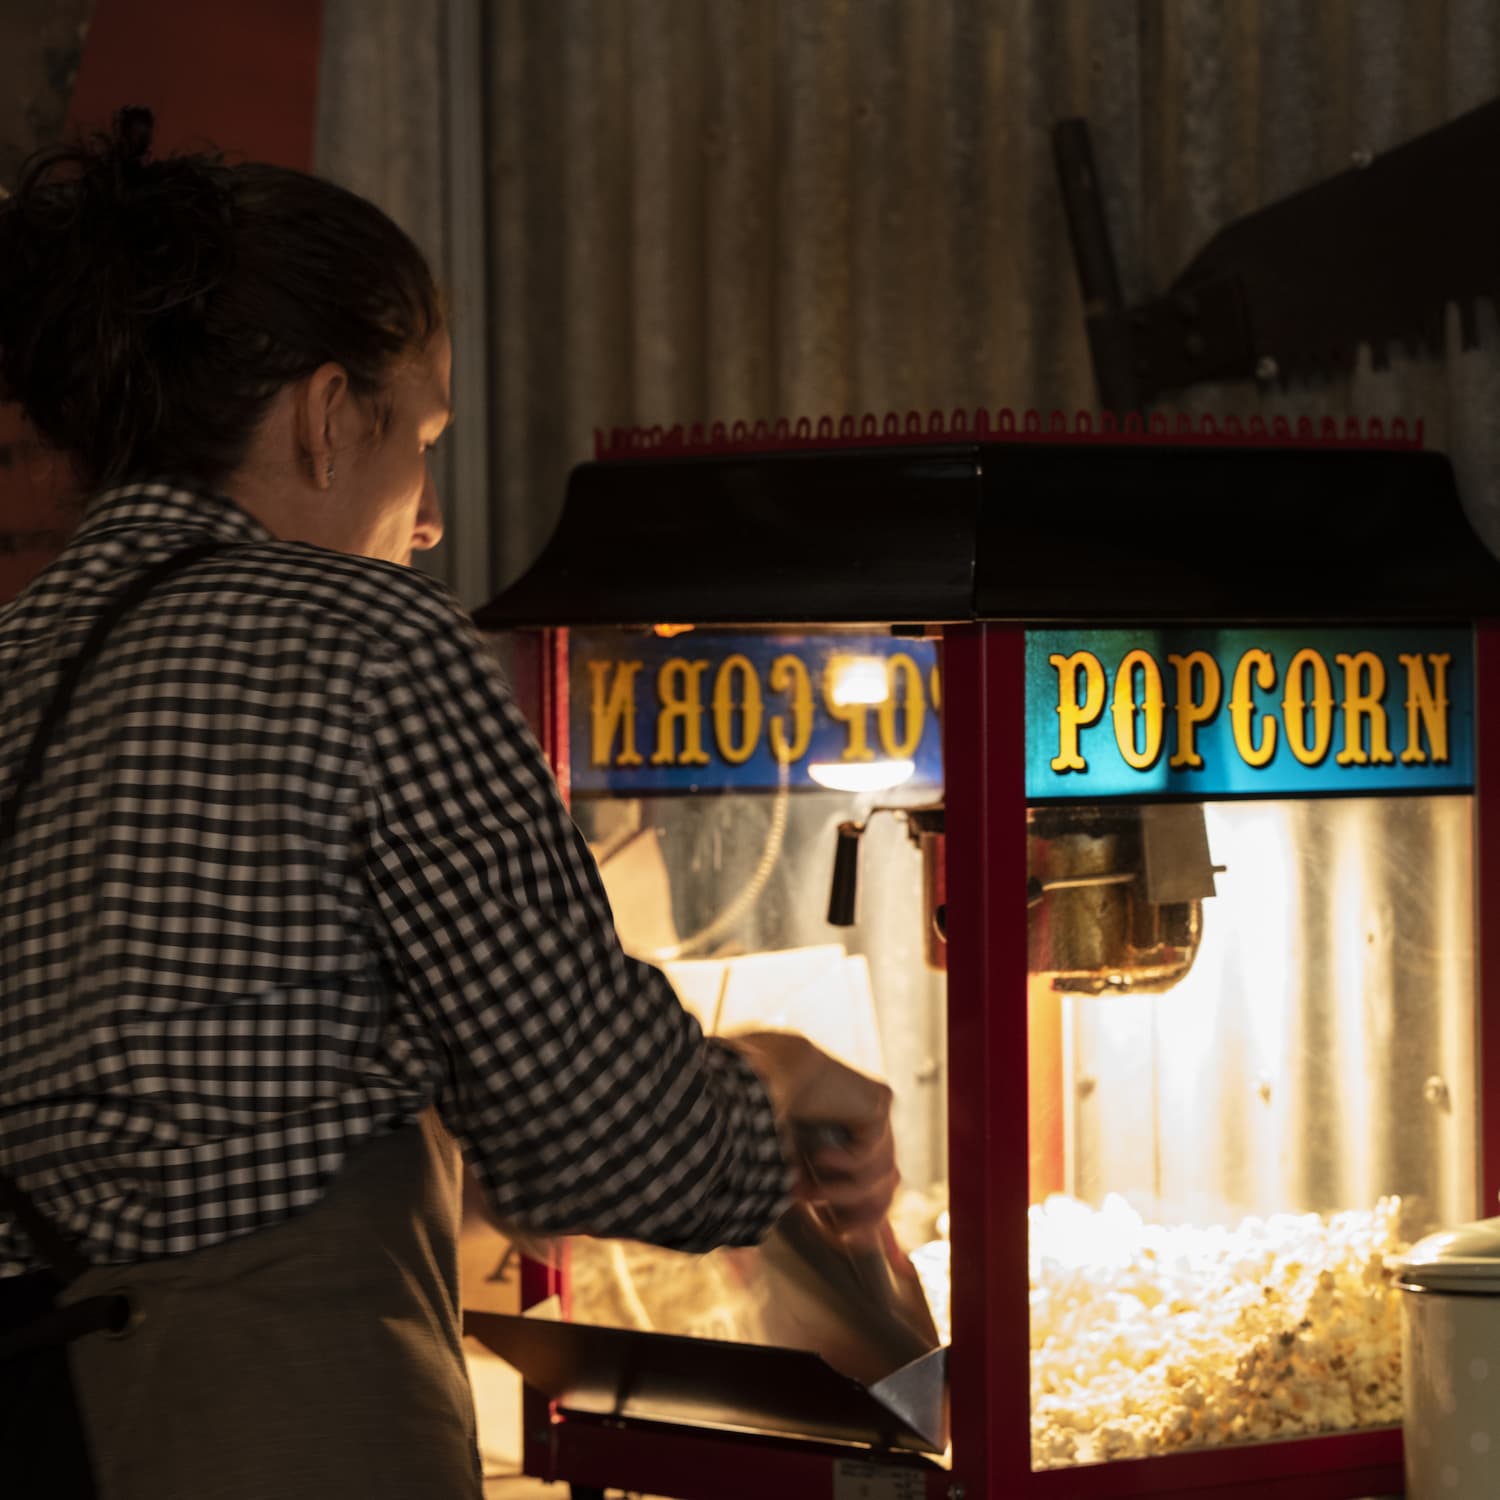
984,746
989,1360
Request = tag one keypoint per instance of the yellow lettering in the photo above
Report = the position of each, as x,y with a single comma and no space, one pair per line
935,688
679,691
855,715
789,674
1361,703
1071,714
913,703
1151,707
1426,707
1294,706
725,702
1242,708
611,711
1192,711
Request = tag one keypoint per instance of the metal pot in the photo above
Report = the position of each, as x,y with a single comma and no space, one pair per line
1450,1369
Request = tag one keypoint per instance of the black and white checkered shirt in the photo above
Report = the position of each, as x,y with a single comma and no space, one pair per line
296,869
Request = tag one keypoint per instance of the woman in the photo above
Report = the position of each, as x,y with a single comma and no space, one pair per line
291,879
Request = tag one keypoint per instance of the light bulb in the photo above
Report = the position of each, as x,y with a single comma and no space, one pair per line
861,775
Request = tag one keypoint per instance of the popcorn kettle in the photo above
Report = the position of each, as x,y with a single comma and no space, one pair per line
1115,891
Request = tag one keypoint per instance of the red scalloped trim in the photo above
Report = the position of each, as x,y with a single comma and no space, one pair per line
981,425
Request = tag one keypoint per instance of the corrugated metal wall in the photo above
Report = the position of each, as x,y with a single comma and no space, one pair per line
726,208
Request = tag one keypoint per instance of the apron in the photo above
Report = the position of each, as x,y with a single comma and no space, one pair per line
318,1359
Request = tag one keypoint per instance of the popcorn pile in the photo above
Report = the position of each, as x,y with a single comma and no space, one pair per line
1146,1339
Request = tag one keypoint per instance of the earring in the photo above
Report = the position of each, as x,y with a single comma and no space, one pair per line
328,472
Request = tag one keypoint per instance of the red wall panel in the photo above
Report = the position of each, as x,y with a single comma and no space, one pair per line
240,76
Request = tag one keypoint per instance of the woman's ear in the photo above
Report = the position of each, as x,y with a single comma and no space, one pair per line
320,409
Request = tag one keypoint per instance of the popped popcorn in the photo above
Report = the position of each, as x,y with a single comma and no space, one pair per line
1146,1339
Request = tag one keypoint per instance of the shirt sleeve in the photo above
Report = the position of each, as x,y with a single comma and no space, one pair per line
585,1097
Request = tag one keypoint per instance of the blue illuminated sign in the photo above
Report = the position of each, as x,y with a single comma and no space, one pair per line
1200,712
720,711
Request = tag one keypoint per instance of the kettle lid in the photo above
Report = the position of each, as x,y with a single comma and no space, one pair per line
1466,1258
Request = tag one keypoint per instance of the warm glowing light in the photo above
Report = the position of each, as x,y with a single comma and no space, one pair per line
857,679
668,631
1147,1338
861,775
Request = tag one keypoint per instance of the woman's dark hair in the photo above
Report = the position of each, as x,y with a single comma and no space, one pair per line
150,309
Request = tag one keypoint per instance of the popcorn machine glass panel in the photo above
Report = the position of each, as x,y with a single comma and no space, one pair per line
710,773
1247,1094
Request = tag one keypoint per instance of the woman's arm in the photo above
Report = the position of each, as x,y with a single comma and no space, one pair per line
585,1096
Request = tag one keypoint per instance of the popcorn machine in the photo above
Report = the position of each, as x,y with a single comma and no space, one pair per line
827,702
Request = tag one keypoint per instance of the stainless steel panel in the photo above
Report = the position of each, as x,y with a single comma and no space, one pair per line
1320,1054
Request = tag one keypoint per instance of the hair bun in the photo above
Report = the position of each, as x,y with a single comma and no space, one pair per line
131,137
161,223
106,248
152,303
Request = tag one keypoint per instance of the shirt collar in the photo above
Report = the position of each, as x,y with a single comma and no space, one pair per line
158,505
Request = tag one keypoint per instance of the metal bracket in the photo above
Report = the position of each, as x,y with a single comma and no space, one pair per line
1371,256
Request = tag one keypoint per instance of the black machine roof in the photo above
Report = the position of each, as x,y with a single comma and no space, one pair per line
1073,526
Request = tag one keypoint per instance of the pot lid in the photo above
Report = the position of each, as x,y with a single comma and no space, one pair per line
1463,1259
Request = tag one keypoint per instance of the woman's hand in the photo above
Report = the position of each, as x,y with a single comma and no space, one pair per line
837,1123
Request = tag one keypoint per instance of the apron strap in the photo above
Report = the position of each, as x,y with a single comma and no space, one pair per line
61,1254
63,1324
